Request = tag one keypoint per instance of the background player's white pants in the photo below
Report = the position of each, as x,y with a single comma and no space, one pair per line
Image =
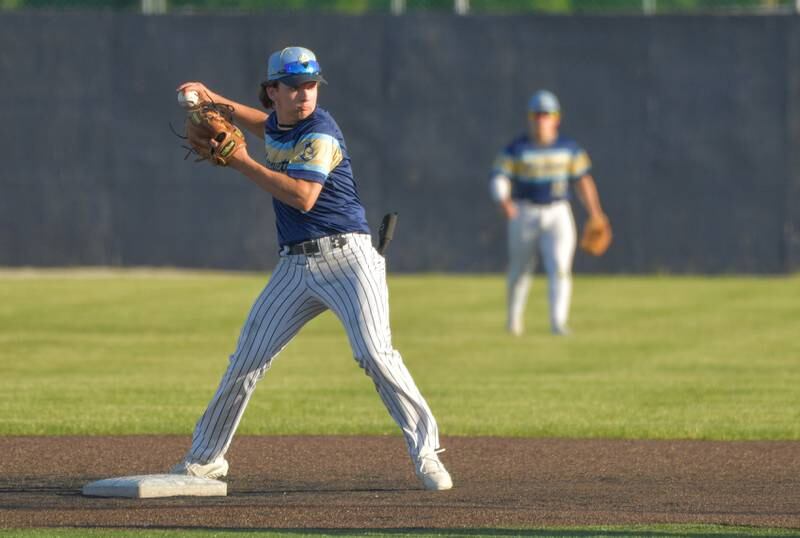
549,231
351,281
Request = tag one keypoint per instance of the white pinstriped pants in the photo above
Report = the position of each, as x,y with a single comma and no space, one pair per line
351,281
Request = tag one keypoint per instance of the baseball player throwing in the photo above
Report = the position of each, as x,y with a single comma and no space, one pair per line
327,261
530,181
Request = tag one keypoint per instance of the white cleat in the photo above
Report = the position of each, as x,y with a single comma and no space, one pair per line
561,331
515,328
432,473
215,469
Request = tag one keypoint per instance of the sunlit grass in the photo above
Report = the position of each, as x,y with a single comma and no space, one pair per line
129,352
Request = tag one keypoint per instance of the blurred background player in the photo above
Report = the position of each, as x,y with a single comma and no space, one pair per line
530,181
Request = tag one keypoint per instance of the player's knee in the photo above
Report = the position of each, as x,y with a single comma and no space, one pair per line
377,358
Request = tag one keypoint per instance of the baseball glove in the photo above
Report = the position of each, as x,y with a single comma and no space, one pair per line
208,121
596,236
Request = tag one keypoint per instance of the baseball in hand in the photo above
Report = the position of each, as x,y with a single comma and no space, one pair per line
188,99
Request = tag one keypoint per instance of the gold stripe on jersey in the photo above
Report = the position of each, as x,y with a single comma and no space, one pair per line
316,153
581,164
543,165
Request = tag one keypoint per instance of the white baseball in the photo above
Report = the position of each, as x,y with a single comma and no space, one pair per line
188,99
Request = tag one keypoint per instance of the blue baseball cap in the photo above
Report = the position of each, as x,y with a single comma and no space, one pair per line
294,66
544,101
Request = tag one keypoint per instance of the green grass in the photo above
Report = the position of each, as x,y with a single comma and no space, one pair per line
137,352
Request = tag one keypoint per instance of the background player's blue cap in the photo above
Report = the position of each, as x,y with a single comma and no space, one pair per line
293,66
544,101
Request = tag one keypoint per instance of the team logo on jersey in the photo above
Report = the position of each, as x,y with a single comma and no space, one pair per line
309,151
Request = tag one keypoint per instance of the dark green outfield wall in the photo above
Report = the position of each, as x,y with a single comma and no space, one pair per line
692,124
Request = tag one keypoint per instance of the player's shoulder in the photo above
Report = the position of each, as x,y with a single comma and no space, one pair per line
322,122
517,144
271,123
568,142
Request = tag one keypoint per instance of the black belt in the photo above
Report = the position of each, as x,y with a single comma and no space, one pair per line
315,246
539,204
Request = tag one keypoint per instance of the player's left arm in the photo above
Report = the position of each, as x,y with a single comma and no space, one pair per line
585,187
588,195
298,193
316,154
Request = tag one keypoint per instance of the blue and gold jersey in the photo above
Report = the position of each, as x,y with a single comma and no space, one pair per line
541,174
314,150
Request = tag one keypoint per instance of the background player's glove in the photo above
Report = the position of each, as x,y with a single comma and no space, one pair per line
596,236
208,121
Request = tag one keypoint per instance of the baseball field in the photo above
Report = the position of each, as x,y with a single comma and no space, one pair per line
672,410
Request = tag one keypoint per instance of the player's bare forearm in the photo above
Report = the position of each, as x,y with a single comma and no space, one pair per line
247,117
250,118
300,194
587,192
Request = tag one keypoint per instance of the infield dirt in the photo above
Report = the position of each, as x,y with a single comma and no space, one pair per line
368,483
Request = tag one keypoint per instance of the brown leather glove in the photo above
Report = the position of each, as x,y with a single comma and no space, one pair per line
208,121
596,237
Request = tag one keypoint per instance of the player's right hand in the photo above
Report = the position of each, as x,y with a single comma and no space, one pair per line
509,209
205,94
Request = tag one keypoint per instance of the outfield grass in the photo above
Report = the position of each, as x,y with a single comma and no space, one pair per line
135,352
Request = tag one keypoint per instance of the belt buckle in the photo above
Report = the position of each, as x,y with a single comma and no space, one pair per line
309,247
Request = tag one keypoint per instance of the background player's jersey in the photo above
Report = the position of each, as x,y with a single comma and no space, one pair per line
314,150
541,174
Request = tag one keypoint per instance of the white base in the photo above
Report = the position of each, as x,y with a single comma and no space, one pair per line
156,485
